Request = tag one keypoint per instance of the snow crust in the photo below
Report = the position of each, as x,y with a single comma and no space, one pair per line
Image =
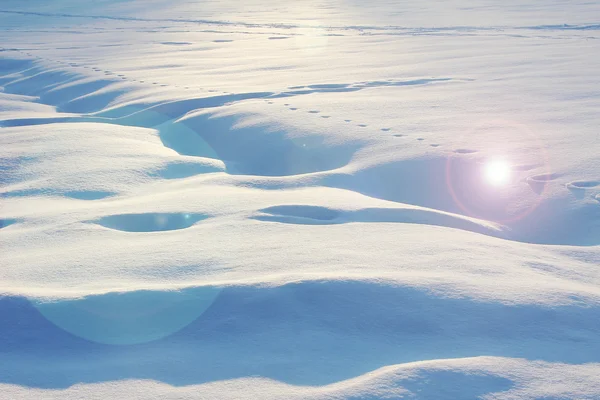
254,200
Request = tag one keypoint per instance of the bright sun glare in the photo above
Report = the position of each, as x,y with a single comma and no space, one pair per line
497,172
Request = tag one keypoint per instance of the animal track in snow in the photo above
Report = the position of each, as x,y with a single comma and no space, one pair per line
538,182
465,151
582,185
543,178
178,171
525,167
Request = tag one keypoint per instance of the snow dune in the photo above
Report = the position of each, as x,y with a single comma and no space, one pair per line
221,202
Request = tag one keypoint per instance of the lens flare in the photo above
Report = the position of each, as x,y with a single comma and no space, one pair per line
497,172
129,318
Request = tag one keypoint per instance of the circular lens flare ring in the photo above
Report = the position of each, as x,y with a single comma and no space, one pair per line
542,158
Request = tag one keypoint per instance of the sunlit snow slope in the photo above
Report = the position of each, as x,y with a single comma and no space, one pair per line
316,199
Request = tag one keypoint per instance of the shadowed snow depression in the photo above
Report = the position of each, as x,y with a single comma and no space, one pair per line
321,199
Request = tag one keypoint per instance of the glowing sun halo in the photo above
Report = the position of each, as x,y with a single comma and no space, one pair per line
497,172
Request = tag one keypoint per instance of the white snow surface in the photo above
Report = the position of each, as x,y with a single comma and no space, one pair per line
290,200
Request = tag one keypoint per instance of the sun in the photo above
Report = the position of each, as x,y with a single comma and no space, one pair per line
497,172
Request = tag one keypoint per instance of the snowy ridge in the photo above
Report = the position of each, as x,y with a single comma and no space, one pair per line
467,378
